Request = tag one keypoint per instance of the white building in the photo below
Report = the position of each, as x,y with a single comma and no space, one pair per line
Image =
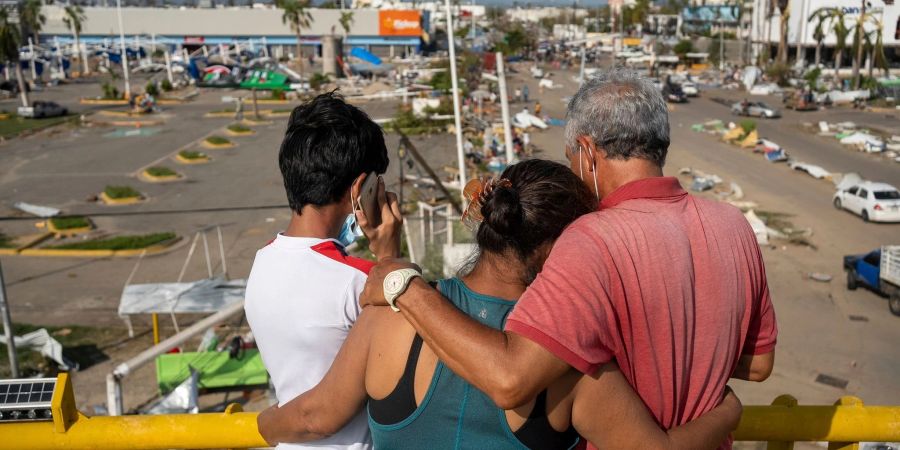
800,30
534,15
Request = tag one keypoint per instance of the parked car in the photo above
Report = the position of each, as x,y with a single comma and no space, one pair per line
878,270
41,109
755,109
690,89
876,202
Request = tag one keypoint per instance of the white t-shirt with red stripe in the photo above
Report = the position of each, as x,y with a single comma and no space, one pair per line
302,298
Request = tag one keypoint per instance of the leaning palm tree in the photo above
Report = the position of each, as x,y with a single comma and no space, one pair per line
875,48
32,18
296,15
74,20
838,24
10,41
784,14
821,18
346,21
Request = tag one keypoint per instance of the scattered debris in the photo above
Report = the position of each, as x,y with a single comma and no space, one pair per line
41,341
818,276
813,170
37,210
759,227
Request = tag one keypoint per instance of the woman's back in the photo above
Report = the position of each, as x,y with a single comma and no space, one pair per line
416,402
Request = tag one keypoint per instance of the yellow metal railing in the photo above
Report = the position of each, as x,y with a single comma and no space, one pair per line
843,425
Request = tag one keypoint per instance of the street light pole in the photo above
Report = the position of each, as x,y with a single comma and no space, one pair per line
124,52
7,329
455,94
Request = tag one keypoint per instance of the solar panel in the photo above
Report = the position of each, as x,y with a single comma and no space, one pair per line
26,399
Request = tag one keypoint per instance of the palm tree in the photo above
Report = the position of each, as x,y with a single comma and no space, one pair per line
858,44
821,18
875,48
346,21
838,27
296,15
74,19
31,18
785,13
10,41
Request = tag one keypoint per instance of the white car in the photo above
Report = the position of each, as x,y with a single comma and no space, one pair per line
876,202
690,89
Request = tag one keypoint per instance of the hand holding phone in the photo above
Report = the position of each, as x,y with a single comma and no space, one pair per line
378,215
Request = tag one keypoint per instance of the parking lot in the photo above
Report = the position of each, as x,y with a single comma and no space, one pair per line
827,333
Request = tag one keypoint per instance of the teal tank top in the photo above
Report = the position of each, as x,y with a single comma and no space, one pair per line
454,414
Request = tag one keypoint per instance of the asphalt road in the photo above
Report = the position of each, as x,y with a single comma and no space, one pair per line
817,335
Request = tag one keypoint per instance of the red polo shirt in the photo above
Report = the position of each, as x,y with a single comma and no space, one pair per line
670,285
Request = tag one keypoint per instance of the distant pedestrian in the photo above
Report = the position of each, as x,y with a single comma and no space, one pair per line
525,93
537,109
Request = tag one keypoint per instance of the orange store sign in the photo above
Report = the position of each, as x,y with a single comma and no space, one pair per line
399,23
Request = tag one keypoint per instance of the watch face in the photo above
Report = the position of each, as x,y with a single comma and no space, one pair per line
393,283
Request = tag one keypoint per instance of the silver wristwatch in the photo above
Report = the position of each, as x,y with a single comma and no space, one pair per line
396,282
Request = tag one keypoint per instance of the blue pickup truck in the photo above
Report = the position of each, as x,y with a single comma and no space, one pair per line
878,270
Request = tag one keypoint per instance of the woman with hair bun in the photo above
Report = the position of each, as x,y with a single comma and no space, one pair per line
414,401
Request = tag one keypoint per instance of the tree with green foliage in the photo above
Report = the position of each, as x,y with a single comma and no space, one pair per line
820,16
296,15
683,47
74,19
346,22
32,18
10,41
514,41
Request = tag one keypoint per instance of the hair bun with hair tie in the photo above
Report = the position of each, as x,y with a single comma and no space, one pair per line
502,209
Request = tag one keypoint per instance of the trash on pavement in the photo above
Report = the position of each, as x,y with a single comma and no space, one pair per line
813,170
820,277
37,210
847,180
758,226
864,141
41,341
776,155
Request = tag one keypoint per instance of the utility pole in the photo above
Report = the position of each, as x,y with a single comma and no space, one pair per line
859,47
504,105
124,51
455,94
7,329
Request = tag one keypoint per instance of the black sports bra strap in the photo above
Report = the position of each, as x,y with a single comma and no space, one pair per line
409,373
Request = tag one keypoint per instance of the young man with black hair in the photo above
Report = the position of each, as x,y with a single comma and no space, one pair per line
303,291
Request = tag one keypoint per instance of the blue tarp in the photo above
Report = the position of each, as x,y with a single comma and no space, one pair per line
363,54
725,13
776,155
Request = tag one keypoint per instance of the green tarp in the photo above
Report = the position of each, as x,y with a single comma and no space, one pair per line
217,369
265,79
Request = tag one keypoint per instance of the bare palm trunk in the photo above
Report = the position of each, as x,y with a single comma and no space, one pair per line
818,53
857,59
20,77
871,64
837,63
299,54
81,55
782,39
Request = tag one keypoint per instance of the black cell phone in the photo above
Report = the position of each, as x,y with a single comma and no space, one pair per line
368,198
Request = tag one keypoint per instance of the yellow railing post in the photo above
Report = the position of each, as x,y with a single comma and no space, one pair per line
847,400
155,318
782,400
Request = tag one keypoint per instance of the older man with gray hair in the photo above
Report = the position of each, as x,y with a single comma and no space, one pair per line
669,286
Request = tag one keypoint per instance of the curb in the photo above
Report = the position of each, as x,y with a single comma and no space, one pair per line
34,239
268,101
145,176
253,122
119,201
183,160
107,112
100,101
217,146
216,115
75,253
67,231
171,101
239,133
